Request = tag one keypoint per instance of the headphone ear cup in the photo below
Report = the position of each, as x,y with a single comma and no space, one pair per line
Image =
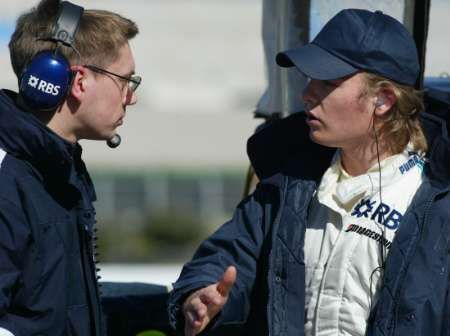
45,81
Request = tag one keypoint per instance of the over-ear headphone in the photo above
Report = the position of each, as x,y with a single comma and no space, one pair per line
46,79
379,102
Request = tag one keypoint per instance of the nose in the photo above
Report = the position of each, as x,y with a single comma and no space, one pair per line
130,98
308,93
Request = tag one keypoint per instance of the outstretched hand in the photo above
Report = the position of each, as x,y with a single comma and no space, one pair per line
202,305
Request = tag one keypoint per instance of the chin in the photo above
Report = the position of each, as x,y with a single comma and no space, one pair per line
100,137
315,137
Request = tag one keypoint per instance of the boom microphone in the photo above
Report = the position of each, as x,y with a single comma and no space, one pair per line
114,141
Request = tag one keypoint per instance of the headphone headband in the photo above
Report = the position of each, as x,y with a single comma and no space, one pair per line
47,78
67,22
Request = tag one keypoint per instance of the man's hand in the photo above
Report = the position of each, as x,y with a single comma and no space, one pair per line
201,306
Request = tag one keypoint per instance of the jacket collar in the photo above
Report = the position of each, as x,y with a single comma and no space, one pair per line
284,146
438,170
22,135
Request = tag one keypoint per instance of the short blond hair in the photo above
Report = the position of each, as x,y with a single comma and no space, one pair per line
99,37
401,124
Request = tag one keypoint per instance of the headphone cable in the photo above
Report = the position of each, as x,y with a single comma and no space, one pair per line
383,231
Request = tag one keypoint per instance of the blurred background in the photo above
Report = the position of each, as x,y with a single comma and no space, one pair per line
180,169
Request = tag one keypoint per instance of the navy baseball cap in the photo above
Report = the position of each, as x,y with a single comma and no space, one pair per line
354,40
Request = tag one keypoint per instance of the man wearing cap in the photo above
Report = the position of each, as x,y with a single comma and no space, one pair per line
348,232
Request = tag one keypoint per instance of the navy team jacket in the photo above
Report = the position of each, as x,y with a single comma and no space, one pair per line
48,284
264,240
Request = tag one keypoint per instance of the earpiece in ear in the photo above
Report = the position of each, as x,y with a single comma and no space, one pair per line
379,102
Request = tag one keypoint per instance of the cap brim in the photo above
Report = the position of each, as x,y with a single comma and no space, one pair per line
315,62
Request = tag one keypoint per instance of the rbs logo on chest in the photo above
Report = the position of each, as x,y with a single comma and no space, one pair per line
43,86
382,214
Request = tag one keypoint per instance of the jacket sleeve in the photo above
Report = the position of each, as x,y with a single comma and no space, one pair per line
14,237
238,242
446,315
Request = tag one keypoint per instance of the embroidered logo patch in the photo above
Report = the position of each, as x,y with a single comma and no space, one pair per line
382,214
415,160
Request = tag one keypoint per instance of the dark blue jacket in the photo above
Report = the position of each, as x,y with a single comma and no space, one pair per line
265,237
48,283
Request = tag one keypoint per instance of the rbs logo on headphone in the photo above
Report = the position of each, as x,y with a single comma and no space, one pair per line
43,86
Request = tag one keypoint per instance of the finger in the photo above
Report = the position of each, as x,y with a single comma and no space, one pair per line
212,299
192,329
209,295
226,283
196,309
192,325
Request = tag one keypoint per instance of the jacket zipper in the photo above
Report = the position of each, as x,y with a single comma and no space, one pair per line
271,255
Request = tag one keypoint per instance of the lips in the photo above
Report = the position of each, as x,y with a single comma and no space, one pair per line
311,117
312,120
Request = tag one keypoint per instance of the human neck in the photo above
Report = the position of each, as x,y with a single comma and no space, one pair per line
358,160
54,120
59,124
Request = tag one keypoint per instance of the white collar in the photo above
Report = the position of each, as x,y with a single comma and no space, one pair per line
337,183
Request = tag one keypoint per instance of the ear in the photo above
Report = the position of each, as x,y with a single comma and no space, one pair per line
79,84
385,99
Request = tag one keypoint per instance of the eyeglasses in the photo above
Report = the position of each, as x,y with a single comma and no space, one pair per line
133,81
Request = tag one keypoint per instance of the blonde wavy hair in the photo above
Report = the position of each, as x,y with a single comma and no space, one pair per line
400,125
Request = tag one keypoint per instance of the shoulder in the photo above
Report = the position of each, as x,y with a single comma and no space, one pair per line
284,147
13,167
441,205
15,177
432,205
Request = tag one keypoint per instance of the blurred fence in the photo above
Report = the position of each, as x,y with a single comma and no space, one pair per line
161,216
205,194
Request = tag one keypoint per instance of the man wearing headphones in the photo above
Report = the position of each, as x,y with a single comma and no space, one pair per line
348,232
76,76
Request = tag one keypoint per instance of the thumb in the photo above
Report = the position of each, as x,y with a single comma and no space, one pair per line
226,283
